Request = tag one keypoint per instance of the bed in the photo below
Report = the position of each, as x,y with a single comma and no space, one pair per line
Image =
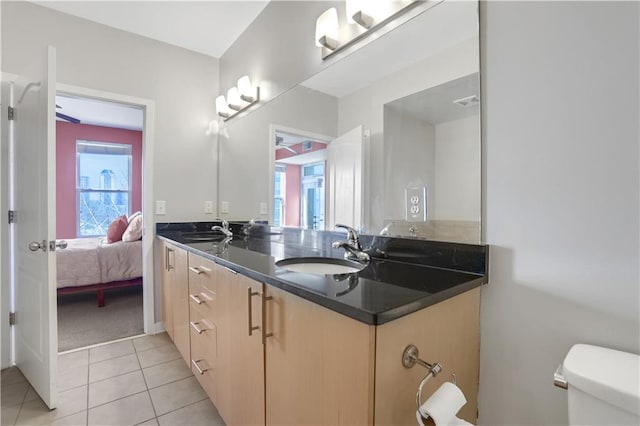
91,264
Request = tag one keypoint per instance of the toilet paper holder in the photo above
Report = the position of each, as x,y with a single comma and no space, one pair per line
411,357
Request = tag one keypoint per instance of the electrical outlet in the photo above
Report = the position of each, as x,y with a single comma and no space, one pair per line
224,207
161,207
263,208
415,204
208,207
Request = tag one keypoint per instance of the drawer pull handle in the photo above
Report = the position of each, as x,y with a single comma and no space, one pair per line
197,367
195,326
230,270
265,299
195,270
196,299
204,268
250,294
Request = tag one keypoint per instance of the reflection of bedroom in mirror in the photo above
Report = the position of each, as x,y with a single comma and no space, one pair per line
299,179
98,215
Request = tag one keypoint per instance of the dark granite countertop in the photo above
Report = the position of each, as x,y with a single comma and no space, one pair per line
385,290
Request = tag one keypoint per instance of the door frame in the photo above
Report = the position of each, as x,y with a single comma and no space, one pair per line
148,107
273,129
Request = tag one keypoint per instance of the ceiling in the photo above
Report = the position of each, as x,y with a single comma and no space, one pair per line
100,113
207,27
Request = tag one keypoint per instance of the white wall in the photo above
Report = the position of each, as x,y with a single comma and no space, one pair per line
409,161
457,167
182,84
561,160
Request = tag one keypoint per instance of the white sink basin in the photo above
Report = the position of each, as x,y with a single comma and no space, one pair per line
320,265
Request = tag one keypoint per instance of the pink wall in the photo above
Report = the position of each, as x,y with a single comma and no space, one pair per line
292,196
66,136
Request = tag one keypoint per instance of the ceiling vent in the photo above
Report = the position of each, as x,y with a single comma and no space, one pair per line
467,102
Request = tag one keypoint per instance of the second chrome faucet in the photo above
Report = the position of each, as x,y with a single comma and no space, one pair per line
353,248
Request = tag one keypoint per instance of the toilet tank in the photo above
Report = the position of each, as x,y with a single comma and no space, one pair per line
603,386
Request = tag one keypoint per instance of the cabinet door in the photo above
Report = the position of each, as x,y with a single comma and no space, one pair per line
319,364
166,256
240,362
179,282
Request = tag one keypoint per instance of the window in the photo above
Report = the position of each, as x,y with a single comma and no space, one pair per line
279,194
103,185
312,196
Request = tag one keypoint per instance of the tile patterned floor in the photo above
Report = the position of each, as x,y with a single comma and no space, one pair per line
141,381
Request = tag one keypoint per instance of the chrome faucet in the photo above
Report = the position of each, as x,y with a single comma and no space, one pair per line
224,228
246,228
352,247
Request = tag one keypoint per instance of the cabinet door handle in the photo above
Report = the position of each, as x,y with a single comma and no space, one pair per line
195,326
168,258
197,367
265,298
250,294
196,298
195,270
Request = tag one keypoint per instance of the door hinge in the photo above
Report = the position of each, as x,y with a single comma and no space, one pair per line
12,216
12,113
12,318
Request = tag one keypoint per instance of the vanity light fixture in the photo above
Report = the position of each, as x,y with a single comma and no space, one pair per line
327,29
360,12
238,98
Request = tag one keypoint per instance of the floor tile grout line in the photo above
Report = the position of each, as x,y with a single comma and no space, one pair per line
185,406
146,385
88,371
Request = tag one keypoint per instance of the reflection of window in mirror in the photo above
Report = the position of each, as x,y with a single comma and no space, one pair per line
313,193
279,194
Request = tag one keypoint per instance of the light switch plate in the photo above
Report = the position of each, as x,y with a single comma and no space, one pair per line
263,208
415,201
224,207
208,207
161,207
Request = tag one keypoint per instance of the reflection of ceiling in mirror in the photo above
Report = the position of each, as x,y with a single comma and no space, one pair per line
435,105
445,25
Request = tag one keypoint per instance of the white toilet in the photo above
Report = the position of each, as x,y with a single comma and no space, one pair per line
603,386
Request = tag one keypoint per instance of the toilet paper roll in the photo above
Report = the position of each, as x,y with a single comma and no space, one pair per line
444,404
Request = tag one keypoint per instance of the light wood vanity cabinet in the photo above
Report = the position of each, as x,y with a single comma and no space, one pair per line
267,357
319,364
175,304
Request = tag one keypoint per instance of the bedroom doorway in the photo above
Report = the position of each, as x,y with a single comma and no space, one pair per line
100,144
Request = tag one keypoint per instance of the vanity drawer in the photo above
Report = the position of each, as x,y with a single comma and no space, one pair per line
204,354
202,273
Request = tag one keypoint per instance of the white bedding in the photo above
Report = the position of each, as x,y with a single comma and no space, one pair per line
93,261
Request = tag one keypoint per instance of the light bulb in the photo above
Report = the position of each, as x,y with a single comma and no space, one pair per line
327,29
233,99
221,107
246,90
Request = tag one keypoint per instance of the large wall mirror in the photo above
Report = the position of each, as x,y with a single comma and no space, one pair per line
386,140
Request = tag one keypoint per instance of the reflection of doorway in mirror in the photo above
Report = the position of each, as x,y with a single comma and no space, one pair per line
298,185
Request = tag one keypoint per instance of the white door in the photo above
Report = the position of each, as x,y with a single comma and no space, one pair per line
32,196
344,162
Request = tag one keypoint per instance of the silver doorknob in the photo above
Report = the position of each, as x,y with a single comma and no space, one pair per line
53,244
35,246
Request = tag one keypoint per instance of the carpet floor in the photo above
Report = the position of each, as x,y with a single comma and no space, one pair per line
81,323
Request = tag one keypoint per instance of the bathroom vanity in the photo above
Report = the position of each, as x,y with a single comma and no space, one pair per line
271,346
